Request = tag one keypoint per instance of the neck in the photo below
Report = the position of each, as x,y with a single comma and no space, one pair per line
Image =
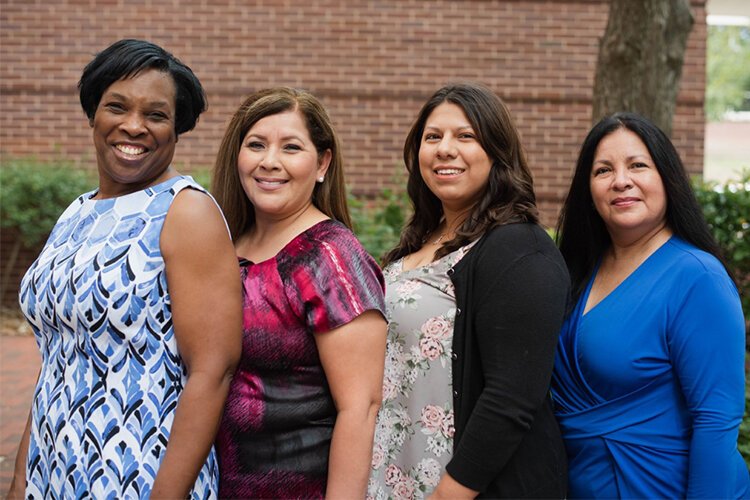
453,219
624,247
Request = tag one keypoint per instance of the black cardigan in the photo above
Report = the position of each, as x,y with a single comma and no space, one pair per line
512,289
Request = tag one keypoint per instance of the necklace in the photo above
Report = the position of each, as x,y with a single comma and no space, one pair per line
440,238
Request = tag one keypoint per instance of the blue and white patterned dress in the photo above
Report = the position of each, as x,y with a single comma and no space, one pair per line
98,303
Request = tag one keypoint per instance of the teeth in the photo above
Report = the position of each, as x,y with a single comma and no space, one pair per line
272,183
448,171
131,150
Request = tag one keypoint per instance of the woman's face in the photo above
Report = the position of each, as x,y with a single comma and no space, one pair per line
626,187
279,165
134,132
453,164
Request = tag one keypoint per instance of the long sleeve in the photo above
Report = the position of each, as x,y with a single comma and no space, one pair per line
707,345
518,304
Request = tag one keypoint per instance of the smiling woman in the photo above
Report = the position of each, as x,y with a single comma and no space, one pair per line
134,302
300,415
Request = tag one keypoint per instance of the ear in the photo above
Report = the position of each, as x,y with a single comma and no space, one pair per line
324,163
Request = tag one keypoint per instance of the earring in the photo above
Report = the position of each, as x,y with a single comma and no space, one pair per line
321,179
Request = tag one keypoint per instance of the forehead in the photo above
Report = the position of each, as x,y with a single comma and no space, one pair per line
447,113
286,123
149,85
622,142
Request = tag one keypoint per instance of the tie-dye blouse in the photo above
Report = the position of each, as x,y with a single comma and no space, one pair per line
276,431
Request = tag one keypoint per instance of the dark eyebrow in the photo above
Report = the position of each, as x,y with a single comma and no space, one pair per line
153,104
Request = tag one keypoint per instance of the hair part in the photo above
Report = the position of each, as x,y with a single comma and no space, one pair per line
126,59
508,196
328,196
581,233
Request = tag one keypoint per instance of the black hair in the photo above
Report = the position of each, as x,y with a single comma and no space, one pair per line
127,58
581,233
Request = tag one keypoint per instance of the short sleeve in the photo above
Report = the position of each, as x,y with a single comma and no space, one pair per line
332,279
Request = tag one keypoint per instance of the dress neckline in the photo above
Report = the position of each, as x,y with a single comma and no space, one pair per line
244,262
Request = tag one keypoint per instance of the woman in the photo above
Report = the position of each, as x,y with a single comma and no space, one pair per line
300,415
133,301
649,375
476,294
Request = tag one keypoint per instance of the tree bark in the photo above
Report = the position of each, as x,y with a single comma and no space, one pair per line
640,59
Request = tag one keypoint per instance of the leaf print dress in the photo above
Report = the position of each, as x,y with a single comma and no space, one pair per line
414,433
111,375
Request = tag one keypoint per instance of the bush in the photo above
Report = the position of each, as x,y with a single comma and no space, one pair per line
33,195
727,211
378,222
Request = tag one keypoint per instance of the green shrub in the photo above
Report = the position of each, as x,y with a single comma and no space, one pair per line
33,195
727,210
378,222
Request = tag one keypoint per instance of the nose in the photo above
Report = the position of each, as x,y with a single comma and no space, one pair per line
446,148
270,160
622,180
133,124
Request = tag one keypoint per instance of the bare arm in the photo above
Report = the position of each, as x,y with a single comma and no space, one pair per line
353,357
18,483
204,285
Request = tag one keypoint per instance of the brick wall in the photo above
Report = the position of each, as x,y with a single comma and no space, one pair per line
373,63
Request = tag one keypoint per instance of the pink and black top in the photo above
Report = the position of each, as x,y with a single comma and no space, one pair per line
276,431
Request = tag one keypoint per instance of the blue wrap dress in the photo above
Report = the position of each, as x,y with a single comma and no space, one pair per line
649,384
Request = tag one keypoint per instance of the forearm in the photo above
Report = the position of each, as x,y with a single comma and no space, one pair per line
194,428
351,452
18,483
449,488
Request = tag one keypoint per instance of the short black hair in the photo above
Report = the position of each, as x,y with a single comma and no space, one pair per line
581,233
127,58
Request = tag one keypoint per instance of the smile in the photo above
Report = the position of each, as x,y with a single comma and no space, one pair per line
130,150
624,202
270,182
448,171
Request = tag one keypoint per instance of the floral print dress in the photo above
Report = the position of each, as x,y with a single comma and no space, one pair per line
414,433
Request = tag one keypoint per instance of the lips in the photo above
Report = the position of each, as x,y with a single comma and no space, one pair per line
270,183
448,171
624,202
131,150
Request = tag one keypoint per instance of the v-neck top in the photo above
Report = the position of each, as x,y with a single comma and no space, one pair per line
649,383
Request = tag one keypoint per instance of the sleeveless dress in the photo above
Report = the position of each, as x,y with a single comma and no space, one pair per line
275,436
415,425
111,375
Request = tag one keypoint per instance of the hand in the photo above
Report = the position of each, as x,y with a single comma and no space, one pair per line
14,492
450,489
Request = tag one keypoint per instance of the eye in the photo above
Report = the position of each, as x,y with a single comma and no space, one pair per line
292,147
158,116
431,136
467,135
115,107
254,145
601,170
639,165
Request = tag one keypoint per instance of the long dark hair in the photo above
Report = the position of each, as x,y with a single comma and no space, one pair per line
509,194
581,233
329,196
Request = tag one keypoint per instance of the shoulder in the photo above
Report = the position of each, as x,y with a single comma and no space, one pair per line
327,237
510,242
193,218
690,267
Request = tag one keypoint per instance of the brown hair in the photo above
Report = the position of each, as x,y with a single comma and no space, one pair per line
509,194
329,196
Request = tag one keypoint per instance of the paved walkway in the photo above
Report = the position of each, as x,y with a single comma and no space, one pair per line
19,365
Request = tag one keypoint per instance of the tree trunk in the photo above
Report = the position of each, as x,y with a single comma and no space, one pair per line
640,59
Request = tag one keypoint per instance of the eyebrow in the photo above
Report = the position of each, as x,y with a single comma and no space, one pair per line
462,127
155,104
629,158
283,138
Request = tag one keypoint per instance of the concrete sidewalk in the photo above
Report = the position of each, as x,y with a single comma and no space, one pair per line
19,366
